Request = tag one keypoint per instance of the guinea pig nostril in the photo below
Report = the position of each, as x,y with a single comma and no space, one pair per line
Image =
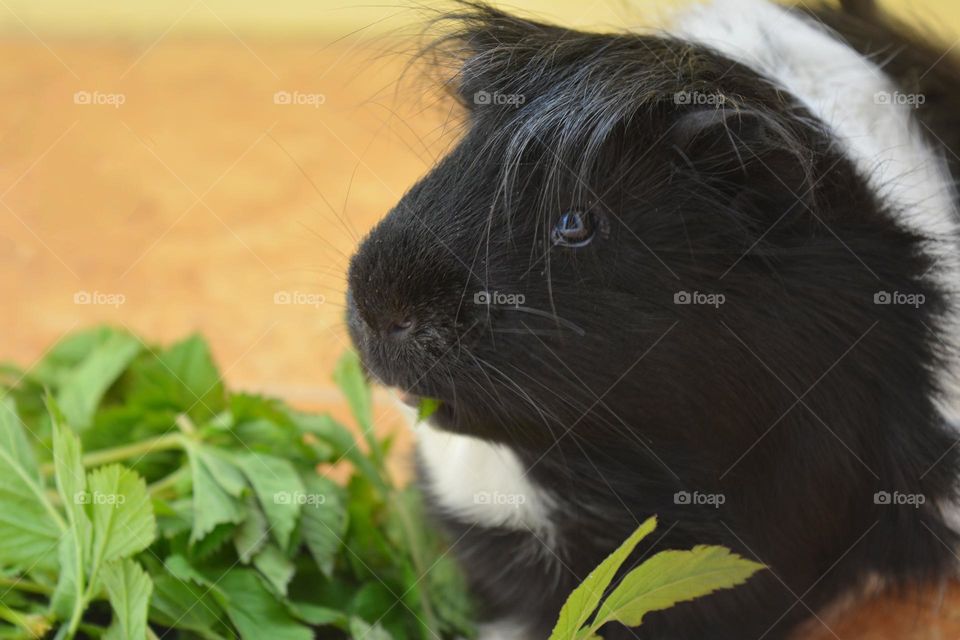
400,328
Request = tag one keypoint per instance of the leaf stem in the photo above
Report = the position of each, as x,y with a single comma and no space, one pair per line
25,585
124,452
409,530
167,482
33,624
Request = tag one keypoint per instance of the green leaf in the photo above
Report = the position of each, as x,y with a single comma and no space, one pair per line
183,377
344,445
255,612
29,524
67,354
427,407
317,615
123,520
66,603
279,490
216,485
75,547
213,542
180,568
71,480
360,629
128,587
84,387
584,599
670,577
324,522
252,534
449,595
275,567
349,377
187,606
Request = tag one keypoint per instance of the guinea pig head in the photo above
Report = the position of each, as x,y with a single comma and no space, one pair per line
594,253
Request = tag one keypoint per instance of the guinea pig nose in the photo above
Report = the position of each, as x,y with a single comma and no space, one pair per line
401,328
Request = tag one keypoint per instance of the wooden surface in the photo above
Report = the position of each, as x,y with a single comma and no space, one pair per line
200,199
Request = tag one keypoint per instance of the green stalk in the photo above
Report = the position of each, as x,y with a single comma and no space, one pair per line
35,625
25,585
167,482
127,451
413,541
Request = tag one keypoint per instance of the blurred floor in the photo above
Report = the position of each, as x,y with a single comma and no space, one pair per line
202,202
224,196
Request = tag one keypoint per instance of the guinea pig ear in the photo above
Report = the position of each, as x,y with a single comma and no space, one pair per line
746,155
498,57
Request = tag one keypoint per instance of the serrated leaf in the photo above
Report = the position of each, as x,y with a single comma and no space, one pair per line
275,567
84,387
184,378
187,606
349,377
213,542
69,353
252,534
29,524
67,598
255,612
339,437
75,547
324,523
279,490
213,504
180,568
360,629
71,479
128,588
670,577
317,615
123,520
583,601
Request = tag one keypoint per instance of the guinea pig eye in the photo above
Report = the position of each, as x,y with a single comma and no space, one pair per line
574,229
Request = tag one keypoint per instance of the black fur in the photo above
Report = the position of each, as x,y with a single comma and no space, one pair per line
797,399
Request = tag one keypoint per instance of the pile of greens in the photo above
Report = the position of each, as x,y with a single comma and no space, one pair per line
142,499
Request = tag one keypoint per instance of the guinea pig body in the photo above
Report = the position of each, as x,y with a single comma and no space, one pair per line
707,274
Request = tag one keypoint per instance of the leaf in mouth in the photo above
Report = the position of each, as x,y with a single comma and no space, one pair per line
426,408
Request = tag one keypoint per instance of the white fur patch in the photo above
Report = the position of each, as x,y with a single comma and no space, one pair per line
503,630
858,102
480,482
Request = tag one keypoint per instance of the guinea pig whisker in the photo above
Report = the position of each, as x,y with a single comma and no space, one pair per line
540,332
516,388
546,314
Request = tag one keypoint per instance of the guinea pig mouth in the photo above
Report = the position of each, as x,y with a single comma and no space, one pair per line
437,411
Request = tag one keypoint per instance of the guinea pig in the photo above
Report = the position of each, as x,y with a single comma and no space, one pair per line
706,273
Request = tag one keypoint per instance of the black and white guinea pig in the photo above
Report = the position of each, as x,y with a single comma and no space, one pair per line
708,274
